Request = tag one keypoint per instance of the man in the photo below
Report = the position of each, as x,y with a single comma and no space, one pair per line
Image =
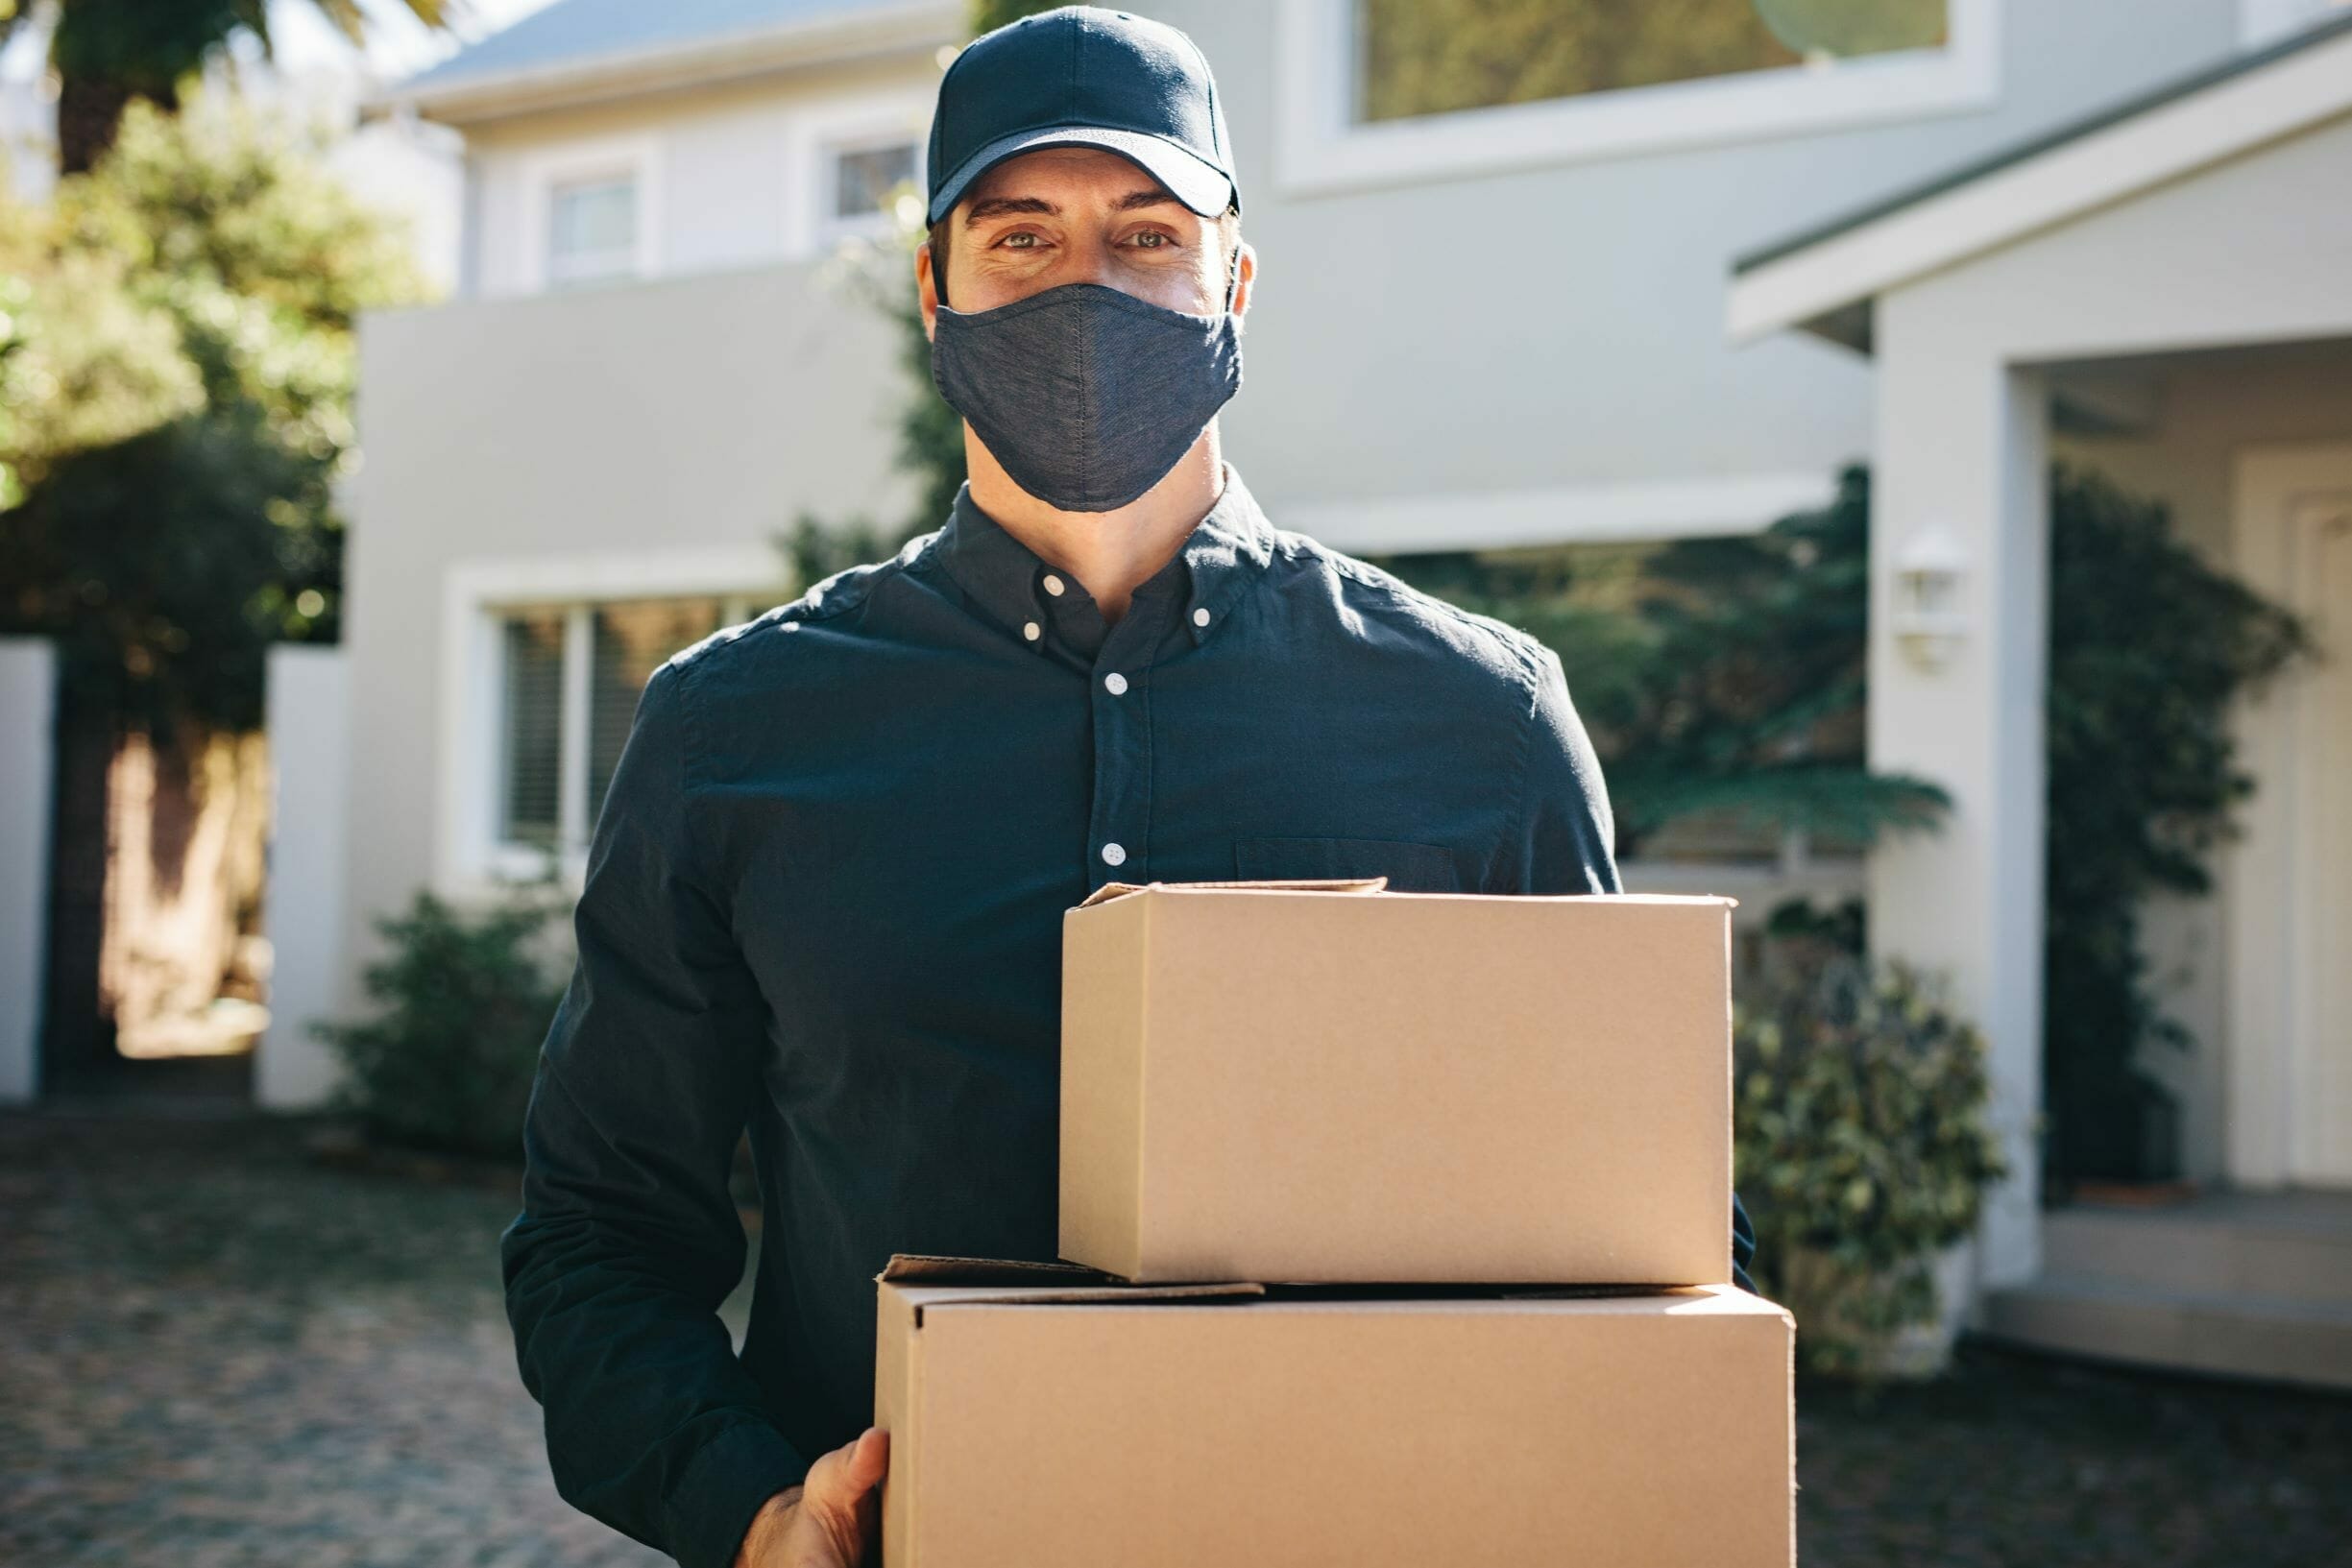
824,895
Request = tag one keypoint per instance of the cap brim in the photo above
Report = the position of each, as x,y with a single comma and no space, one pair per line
1199,184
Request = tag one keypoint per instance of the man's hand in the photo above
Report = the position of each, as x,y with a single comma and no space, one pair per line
831,1520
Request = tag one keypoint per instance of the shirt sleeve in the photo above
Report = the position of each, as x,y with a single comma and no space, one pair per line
1566,837
628,1238
1566,842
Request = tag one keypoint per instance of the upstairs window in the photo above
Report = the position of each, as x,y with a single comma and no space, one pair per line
865,177
1434,56
1383,92
592,230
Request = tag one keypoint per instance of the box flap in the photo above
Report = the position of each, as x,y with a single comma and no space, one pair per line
935,1268
932,1279
1301,884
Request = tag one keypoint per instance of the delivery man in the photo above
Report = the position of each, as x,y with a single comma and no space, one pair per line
825,891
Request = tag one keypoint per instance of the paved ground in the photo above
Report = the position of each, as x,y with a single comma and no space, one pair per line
214,1352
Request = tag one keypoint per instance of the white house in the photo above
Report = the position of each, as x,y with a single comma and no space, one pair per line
1479,325
2179,269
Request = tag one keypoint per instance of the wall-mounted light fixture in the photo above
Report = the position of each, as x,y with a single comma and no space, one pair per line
1929,623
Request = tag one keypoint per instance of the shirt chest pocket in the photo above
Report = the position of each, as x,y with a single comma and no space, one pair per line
1409,867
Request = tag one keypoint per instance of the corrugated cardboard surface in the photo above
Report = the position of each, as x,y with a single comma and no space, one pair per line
1028,1432
1296,1084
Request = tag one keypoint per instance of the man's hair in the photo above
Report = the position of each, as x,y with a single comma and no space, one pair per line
1228,229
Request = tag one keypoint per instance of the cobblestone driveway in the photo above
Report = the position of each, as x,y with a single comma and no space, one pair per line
215,1354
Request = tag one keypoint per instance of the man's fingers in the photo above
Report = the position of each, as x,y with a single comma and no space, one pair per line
840,1478
869,1459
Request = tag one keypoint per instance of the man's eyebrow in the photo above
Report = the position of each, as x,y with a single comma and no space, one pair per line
994,206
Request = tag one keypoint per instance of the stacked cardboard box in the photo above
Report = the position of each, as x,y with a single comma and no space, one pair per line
1398,1228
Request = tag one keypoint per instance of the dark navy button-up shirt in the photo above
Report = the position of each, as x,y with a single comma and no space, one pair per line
824,898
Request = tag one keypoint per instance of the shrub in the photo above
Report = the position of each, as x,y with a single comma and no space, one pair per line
464,1002
1861,1144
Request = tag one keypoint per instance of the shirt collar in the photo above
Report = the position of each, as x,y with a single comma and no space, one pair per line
1008,582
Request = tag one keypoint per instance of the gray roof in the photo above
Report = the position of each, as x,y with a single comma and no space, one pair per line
2197,82
572,31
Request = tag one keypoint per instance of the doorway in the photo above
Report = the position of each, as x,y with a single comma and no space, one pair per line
2290,879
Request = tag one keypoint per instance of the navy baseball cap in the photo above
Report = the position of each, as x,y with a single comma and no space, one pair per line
1081,76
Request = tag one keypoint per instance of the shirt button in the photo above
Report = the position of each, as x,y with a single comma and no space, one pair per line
1112,854
1031,630
1114,683
1201,617
1052,585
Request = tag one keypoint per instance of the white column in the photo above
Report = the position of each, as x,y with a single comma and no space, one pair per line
27,717
1962,447
309,716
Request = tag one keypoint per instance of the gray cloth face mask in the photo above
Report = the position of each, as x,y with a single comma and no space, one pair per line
1087,395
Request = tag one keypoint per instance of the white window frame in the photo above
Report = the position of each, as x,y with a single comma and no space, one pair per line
637,158
831,226
472,860
1320,148
2262,22
845,125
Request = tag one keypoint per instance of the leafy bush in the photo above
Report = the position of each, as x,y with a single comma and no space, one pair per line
464,1002
1861,1144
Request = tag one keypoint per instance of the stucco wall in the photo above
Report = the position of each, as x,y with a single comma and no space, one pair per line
735,180
1561,326
631,423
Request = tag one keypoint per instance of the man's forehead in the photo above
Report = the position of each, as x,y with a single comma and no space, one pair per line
1048,170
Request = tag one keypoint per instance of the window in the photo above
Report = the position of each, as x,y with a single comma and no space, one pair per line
532,763
856,179
863,177
1388,91
1432,56
569,685
592,230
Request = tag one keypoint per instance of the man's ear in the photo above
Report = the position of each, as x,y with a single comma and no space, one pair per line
1245,275
927,290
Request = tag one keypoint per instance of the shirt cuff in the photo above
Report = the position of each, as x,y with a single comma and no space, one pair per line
724,1484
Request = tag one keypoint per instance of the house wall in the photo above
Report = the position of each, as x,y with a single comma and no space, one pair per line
1493,355
1516,354
1552,334
734,179
614,440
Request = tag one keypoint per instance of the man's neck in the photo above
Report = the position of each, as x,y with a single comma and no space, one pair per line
1110,553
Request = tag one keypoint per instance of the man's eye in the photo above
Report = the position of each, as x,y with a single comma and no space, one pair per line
1022,241
1150,239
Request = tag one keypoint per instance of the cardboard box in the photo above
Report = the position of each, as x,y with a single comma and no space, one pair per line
1327,1081
1064,1423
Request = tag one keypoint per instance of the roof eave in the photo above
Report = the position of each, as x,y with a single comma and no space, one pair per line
1827,284
473,100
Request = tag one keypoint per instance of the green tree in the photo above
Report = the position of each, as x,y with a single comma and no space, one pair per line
109,53
174,405
179,406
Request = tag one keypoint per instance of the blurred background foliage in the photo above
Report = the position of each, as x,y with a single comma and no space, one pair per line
175,376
